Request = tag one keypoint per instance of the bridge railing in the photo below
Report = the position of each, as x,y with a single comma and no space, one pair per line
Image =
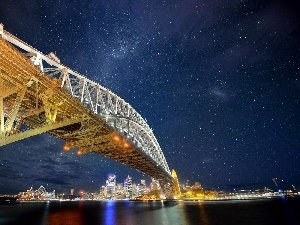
109,106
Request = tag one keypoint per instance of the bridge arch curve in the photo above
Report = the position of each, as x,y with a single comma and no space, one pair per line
57,97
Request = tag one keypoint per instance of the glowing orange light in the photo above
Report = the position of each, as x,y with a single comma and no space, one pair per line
79,152
116,138
126,145
66,147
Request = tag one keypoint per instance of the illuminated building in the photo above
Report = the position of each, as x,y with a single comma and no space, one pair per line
187,185
142,188
36,195
103,192
119,187
134,191
128,187
196,186
154,186
111,186
119,194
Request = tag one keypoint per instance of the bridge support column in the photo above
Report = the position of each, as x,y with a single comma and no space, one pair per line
171,186
167,188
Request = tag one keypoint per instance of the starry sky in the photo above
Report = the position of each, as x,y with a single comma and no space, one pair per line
217,80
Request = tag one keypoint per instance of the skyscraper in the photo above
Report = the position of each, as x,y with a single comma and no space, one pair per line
142,189
128,187
111,186
154,186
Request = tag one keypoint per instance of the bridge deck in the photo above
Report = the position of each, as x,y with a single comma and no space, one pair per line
41,104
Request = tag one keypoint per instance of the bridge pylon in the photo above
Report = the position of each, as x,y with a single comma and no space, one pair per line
170,186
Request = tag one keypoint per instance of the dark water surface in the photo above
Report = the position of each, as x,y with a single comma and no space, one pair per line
268,211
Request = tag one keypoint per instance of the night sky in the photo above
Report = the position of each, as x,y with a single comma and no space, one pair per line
218,81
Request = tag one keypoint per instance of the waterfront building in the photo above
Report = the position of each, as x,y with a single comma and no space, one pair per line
197,186
36,195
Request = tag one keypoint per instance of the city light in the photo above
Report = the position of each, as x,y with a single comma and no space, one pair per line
129,190
126,145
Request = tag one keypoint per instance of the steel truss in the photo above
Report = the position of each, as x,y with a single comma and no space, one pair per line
103,123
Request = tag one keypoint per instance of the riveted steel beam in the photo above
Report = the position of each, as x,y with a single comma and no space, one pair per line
35,131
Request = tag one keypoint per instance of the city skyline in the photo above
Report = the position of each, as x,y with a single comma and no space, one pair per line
129,190
183,184
218,83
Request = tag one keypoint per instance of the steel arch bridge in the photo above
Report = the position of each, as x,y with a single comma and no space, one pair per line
38,94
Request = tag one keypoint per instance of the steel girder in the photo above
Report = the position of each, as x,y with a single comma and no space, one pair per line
119,115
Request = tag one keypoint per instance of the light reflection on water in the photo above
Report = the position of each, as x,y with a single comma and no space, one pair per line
65,215
203,215
160,212
46,213
110,213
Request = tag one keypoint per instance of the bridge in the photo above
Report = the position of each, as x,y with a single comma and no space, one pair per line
38,95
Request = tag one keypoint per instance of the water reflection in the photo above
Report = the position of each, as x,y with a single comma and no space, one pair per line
109,214
66,214
203,215
152,213
45,214
195,211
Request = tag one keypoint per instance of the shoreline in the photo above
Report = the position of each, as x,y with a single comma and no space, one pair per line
15,200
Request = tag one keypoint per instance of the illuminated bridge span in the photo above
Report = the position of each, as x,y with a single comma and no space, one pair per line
38,94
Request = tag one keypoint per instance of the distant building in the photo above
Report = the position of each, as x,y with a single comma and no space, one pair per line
36,195
187,185
103,192
128,187
134,191
154,186
197,186
142,188
111,187
119,194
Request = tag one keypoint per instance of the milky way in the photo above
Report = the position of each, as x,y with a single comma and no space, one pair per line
217,81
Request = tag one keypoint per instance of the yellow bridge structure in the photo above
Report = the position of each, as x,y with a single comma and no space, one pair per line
38,95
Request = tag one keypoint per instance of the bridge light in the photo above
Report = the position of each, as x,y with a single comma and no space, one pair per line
66,147
79,152
116,138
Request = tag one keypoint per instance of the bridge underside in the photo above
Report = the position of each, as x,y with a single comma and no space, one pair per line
32,103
